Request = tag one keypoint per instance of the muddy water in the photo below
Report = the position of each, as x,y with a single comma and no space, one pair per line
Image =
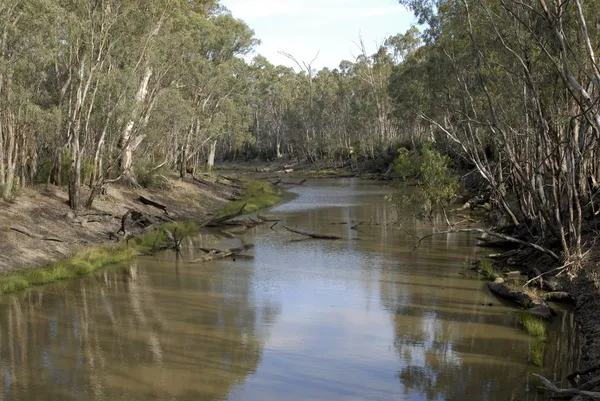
364,318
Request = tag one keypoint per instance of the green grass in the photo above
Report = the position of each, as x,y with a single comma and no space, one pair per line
537,353
84,262
487,270
258,195
535,326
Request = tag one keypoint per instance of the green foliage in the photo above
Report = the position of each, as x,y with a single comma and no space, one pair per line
436,186
537,353
535,326
257,195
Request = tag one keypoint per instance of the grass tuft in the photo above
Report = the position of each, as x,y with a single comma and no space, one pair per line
487,270
535,326
537,353
258,195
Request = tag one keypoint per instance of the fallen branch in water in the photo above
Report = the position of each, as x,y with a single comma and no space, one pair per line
492,234
355,227
311,234
567,392
215,254
267,218
218,221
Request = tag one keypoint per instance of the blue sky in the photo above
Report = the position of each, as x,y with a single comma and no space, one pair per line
331,27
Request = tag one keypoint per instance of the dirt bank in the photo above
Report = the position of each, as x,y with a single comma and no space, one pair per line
38,226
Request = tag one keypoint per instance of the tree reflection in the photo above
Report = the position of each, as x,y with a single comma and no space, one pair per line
133,334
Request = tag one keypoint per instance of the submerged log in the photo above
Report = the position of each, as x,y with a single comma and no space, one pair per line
267,218
311,234
215,254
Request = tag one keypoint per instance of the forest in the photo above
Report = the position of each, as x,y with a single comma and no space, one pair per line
94,92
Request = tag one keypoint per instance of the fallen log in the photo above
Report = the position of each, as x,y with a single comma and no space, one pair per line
311,234
571,392
218,221
533,307
504,291
558,296
215,254
24,231
267,218
150,202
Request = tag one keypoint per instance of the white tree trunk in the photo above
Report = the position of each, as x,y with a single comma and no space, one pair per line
211,155
128,142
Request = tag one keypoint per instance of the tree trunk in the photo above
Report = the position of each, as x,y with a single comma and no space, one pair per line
128,142
211,155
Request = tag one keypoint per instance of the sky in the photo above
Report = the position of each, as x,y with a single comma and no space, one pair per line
331,28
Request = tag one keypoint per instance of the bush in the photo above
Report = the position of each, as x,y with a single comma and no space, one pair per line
436,187
149,176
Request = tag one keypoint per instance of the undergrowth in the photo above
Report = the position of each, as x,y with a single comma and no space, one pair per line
258,195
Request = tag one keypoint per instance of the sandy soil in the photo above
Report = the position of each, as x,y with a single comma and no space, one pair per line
44,212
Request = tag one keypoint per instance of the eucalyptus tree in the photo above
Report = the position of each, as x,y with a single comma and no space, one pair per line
513,88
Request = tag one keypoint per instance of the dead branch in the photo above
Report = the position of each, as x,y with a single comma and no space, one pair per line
218,221
311,234
24,231
272,227
267,218
567,392
215,254
355,227
492,234
150,202
548,272
584,372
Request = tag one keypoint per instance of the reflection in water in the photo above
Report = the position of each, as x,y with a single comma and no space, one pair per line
360,319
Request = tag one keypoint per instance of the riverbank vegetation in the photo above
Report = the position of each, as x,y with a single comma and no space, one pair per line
83,263
257,195
123,92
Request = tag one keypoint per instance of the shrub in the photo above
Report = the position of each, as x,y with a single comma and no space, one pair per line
436,187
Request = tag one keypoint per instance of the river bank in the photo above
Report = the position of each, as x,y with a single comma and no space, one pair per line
38,228
582,284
